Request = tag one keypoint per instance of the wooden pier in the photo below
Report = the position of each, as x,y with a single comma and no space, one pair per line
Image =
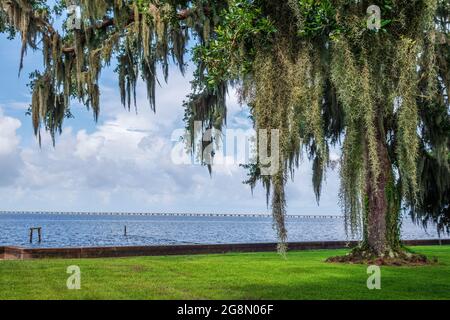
39,232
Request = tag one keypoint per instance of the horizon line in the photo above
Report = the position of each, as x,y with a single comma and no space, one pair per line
180,214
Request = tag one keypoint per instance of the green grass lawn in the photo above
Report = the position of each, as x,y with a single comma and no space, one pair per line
303,275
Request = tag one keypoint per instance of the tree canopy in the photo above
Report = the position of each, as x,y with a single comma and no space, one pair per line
311,69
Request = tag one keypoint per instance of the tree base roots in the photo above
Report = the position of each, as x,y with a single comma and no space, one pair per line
390,258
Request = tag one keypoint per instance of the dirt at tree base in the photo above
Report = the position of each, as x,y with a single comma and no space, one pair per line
398,258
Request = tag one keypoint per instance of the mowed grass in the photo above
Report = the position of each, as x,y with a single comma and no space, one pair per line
302,275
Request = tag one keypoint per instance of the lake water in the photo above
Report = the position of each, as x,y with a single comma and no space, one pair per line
101,230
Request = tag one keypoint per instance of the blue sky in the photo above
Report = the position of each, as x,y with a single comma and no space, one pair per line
123,163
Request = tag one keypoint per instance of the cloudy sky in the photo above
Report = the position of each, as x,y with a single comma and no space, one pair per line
123,163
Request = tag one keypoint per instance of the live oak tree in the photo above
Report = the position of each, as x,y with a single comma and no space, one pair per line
311,69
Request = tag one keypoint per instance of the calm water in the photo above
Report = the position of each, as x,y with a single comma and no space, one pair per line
89,231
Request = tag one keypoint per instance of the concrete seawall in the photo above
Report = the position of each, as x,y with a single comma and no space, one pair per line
16,253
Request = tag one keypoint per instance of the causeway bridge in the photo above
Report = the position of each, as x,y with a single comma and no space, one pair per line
168,214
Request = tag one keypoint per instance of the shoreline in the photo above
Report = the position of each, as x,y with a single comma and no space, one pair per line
18,253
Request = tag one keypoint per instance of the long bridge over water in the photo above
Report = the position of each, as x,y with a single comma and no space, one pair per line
149,214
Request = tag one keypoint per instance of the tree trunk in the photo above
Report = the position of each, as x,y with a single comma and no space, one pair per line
381,235
378,205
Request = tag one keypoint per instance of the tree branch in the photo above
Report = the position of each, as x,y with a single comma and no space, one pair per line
109,22
105,24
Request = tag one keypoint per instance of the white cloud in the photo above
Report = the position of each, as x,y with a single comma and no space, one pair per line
124,164
87,146
9,149
8,137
